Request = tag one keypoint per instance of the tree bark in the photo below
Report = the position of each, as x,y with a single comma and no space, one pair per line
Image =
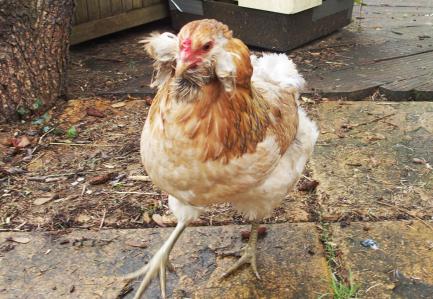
34,42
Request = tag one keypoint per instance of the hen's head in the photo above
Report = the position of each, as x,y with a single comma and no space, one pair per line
199,42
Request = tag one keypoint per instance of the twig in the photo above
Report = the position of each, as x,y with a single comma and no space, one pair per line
21,225
41,178
83,190
133,192
84,144
406,212
371,121
102,220
144,178
43,135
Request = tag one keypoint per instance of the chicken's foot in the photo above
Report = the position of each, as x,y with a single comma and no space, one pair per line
249,254
158,264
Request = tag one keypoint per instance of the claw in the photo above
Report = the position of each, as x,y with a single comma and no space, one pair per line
248,256
157,265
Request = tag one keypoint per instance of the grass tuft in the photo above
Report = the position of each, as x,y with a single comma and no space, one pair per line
342,288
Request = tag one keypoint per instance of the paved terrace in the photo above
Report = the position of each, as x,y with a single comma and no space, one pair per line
373,163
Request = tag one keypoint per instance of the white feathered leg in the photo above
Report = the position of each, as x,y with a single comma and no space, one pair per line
159,262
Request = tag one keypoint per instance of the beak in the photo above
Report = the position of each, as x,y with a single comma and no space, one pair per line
181,67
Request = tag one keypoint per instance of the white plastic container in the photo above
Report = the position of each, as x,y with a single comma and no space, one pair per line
280,6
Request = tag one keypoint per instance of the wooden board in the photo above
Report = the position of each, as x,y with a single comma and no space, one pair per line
105,8
127,5
96,28
137,4
116,6
93,9
81,14
398,78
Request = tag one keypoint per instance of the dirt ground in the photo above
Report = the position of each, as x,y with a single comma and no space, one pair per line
77,166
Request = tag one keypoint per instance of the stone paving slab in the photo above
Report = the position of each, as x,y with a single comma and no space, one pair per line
402,267
84,264
373,160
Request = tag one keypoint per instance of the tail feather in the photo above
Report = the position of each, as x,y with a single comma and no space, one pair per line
277,69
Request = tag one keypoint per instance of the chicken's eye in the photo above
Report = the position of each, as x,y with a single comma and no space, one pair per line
207,46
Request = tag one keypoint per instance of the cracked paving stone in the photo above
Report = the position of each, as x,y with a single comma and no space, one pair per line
373,160
402,267
85,264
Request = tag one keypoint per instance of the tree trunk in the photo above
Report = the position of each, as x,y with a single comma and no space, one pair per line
34,41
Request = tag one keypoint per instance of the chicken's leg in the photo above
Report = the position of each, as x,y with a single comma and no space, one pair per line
158,263
249,253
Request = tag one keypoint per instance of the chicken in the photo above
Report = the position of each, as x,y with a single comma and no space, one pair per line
224,126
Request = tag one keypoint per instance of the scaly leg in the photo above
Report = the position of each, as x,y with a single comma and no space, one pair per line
249,253
158,263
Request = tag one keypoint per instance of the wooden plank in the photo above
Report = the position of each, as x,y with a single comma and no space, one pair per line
105,8
116,7
151,2
137,4
93,9
96,28
358,81
127,5
81,15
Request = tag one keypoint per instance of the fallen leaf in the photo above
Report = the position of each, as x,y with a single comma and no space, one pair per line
308,185
6,141
21,240
307,100
20,142
375,137
169,219
83,218
136,243
148,100
72,132
146,218
42,200
3,172
418,161
101,179
118,105
94,112
158,219
15,170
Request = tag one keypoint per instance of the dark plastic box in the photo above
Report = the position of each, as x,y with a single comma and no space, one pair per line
264,29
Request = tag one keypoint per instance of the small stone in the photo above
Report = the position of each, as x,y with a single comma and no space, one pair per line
369,243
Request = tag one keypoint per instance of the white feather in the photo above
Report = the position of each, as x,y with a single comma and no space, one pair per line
278,70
